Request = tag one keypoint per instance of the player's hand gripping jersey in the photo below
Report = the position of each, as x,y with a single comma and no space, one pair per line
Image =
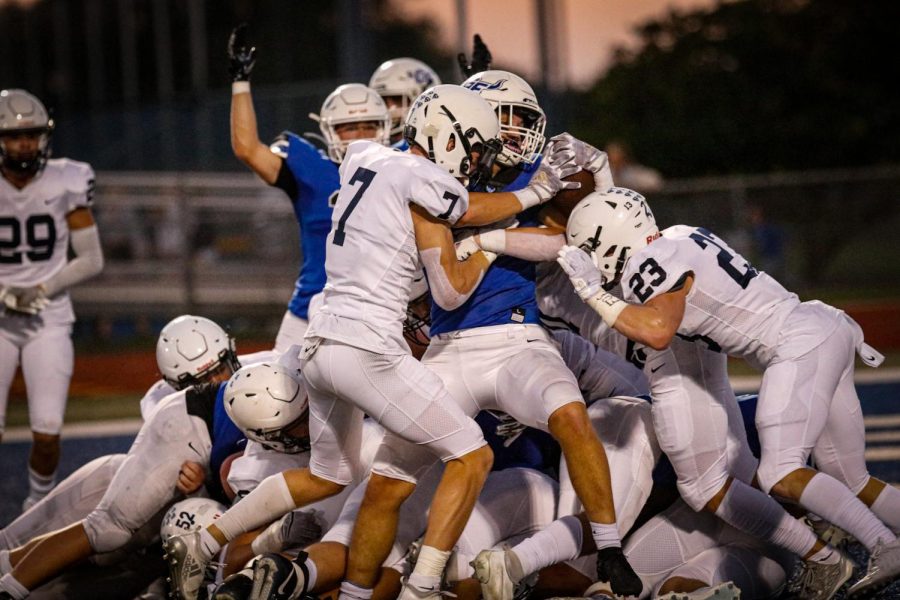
371,251
34,233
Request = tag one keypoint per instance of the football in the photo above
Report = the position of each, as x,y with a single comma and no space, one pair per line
566,200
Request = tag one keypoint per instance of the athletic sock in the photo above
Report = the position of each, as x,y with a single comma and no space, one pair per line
5,565
834,502
312,573
38,486
887,508
826,556
758,514
606,535
350,591
558,542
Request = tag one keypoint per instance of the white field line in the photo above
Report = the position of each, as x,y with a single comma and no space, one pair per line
86,429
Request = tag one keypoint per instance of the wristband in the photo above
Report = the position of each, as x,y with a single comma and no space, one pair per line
240,87
493,241
489,256
607,306
527,197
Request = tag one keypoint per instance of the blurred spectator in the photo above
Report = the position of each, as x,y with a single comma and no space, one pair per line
768,243
630,174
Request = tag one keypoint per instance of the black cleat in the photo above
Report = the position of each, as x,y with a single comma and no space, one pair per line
235,587
278,578
613,567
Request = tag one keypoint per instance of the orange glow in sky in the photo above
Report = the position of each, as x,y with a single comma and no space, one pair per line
590,28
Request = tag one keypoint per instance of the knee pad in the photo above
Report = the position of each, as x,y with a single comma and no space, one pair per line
104,533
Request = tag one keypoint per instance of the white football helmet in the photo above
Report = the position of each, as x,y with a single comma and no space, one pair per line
189,515
611,226
448,122
514,101
21,112
190,348
266,400
351,103
404,78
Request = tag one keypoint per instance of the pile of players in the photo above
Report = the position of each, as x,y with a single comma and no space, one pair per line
459,399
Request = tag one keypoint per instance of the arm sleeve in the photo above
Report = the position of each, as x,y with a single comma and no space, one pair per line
442,291
533,246
88,261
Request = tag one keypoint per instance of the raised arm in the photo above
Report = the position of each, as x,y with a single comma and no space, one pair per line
451,281
245,140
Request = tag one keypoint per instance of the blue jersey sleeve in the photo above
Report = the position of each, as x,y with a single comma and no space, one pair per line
226,440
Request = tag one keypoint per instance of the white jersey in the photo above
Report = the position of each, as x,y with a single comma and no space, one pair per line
34,234
731,308
600,373
371,255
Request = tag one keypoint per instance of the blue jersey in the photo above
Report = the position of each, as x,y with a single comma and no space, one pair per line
506,295
532,448
312,196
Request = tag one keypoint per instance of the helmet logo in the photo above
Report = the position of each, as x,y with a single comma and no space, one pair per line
421,76
477,86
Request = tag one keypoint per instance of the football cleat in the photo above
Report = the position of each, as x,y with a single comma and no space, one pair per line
884,567
186,565
278,578
492,573
818,581
613,568
235,587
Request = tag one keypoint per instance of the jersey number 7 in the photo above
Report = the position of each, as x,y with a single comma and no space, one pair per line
364,176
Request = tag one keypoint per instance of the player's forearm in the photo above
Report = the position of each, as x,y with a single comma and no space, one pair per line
486,208
536,244
643,324
244,131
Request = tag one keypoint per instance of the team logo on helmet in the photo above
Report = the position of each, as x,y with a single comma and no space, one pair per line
479,85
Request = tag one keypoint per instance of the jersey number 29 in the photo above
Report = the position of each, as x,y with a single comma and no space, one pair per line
41,239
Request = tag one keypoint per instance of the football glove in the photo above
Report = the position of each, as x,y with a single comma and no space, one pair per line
241,55
28,300
582,272
566,150
481,58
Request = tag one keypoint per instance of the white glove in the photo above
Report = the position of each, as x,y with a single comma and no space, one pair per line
468,246
582,271
546,183
565,150
29,300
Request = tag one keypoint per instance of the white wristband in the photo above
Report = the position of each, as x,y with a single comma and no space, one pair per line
607,306
240,87
493,241
527,198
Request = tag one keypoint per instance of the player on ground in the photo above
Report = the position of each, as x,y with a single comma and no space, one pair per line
45,206
371,262
306,174
687,282
195,424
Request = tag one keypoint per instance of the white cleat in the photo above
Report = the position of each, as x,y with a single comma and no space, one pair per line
884,568
723,591
186,564
491,572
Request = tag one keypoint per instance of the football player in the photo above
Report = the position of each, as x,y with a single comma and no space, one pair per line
307,175
45,206
371,262
399,82
491,351
687,282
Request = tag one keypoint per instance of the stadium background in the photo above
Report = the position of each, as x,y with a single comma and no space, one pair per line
765,117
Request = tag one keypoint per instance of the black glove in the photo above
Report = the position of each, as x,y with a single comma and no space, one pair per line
613,568
481,58
241,55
